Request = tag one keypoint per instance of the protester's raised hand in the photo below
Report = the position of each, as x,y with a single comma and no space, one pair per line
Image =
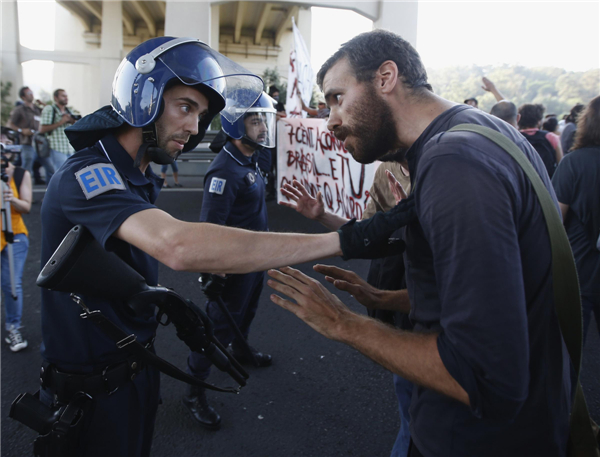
487,84
350,282
314,304
302,201
397,190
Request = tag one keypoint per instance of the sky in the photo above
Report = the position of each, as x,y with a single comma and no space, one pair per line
564,34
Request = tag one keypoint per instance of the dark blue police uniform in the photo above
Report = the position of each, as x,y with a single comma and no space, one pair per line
99,188
234,195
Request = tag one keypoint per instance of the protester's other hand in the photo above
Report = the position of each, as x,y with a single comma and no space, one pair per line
315,305
487,85
27,132
350,282
397,190
302,201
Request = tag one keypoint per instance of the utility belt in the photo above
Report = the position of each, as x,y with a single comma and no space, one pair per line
63,386
61,424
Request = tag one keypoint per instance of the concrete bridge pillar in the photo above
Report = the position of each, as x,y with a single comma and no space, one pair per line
400,18
193,19
111,47
10,68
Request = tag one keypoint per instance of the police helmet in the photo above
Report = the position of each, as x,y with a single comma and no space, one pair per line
140,82
142,76
256,125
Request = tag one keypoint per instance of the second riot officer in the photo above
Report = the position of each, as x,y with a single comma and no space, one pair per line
234,195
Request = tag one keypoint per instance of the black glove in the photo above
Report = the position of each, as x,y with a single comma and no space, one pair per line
213,285
371,238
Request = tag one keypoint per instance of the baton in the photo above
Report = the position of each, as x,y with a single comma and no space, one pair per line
9,237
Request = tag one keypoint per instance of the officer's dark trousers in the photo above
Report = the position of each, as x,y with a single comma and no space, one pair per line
121,424
241,296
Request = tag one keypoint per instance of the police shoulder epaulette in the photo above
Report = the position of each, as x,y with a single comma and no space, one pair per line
99,178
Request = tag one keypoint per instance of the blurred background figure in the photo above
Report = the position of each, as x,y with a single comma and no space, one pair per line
163,174
472,102
56,117
507,111
25,119
16,192
577,186
545,143
567,136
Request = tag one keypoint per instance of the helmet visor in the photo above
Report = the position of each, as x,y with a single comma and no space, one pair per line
259,127
194,63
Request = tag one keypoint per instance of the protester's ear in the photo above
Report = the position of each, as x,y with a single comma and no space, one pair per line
387,76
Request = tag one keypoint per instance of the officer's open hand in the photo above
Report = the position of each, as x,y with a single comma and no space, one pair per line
350,282
312,302
302,201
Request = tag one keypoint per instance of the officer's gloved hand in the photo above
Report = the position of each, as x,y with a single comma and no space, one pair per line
213,285
371,238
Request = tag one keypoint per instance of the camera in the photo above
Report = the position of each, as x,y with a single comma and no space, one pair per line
76,116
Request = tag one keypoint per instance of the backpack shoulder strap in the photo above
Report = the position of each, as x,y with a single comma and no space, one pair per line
567,298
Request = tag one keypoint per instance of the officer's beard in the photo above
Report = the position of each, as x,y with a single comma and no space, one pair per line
163,140
374,132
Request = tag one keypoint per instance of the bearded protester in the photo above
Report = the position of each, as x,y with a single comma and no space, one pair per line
490,368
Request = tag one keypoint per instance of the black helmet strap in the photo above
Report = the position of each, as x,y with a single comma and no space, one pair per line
150,145
247,141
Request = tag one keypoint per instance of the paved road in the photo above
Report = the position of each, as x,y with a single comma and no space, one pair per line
319,398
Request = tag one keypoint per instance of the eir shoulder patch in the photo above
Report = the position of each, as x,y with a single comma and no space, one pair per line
99,178
217,186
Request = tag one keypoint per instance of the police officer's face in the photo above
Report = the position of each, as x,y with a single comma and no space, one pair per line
359,116
184,108
256,127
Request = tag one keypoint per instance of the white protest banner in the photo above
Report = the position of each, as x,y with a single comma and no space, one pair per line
309,153
301,78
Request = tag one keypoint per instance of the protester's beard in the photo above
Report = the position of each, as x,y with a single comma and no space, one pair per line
396,156
373,131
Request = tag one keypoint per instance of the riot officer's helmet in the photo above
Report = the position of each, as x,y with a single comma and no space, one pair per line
256,126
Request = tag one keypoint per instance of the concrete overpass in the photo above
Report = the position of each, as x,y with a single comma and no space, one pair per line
93,36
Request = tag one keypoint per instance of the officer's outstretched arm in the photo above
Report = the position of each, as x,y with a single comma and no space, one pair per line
203,247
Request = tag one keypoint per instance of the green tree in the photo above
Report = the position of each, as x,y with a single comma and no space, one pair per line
7,107
555,88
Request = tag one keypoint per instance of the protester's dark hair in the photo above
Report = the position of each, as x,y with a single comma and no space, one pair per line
22,91
58,91
367,51
472,99
273,89
573,115
531,115
505,110
588,126
550,124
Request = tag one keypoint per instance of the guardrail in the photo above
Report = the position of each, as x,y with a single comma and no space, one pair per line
201,153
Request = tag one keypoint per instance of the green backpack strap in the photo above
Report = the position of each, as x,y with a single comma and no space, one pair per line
567,298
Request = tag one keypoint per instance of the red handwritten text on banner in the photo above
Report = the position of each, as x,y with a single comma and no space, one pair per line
309,153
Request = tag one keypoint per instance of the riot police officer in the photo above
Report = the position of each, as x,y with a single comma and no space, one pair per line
234,195
165,94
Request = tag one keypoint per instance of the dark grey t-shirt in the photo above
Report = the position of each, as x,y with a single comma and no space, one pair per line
567,137
478,267
577,184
